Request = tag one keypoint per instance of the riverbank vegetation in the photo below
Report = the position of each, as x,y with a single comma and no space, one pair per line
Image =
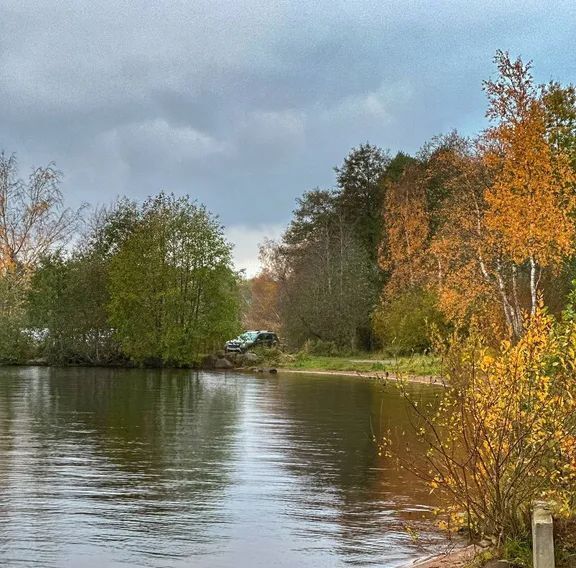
325,357
418,365
503,435
129,284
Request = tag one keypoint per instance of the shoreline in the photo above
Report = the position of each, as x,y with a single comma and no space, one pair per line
380,375
459,558
418,379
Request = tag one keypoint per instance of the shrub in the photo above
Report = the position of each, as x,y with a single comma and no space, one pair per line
15,345
504,433
402,324
269,356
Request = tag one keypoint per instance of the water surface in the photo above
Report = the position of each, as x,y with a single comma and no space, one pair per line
124,468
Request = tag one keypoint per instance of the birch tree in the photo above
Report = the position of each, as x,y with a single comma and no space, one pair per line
531,200
33,218
507,218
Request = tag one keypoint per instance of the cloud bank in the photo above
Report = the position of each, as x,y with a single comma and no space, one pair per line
245,104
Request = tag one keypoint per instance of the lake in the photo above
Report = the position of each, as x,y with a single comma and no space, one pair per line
171,468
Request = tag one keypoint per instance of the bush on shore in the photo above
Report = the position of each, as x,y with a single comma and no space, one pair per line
403,323
504,434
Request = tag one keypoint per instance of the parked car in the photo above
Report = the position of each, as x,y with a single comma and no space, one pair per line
250,339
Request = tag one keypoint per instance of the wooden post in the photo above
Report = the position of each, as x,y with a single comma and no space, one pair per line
542,535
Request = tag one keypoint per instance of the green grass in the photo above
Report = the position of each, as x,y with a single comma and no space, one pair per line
412,365
518,552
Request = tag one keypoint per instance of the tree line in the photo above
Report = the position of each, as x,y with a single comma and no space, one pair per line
149,283
468,230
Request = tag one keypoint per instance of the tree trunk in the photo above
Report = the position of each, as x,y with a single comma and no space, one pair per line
533,286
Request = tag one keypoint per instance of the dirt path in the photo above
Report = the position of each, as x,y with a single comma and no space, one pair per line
426,380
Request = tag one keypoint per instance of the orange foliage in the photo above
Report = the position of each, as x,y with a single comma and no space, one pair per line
407,231
262,304
505,215
532,197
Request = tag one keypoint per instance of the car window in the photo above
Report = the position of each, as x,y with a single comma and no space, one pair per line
248,336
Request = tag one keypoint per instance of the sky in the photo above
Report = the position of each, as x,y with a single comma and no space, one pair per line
246,104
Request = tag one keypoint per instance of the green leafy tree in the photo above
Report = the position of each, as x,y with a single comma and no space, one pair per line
173,292
69,296
67,307
404,322
15,344
109,227
560,107
361,193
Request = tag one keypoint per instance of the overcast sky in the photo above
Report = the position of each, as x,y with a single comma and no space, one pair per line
245,104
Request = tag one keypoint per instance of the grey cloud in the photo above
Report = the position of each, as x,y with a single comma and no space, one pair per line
243,103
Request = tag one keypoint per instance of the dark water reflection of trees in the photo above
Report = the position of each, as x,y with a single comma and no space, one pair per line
330,435
103,467
124,451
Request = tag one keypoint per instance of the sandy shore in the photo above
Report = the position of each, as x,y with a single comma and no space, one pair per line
426,380
456,559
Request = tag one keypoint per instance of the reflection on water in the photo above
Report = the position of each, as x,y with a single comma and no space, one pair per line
171,469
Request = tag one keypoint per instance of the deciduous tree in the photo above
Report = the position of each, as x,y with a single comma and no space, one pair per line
33,219
173,293
504,433
531,199
262,303
361,193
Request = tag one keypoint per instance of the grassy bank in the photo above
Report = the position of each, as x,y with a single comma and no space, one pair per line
421,365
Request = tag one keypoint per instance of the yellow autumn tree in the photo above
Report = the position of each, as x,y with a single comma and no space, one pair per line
407,229
407,308
508,217
531,200
463,271
261,306
504,433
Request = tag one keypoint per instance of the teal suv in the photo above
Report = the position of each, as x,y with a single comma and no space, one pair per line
250,339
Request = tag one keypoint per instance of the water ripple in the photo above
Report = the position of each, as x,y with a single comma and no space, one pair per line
162,469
